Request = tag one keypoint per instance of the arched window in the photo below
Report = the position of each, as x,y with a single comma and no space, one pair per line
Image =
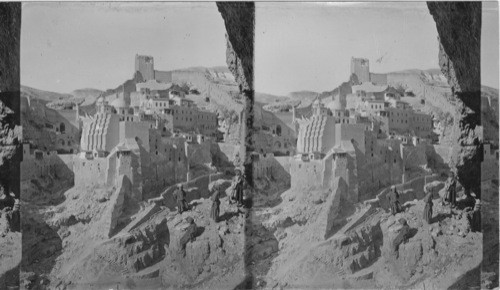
62,128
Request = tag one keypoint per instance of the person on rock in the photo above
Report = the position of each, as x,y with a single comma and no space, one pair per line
403,235
475,217
238,188
451,190
394,201
428,206
214,213
180,197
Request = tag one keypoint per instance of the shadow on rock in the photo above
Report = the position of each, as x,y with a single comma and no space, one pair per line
470,280
440,217
41,245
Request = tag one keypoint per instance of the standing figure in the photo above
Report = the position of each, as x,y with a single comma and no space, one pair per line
180,197
451,195
403,235
394,201
238,188
476,217
428,207
214,213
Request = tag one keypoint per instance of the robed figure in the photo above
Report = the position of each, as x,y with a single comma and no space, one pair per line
394,201
214,213
180,197
428,207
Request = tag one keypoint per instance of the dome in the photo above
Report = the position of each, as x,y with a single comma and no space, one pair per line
118,103
336,105
100,100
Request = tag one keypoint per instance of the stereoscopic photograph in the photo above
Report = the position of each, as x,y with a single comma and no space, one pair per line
242,145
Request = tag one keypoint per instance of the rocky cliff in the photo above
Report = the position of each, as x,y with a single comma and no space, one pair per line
459,29
10,134
239,21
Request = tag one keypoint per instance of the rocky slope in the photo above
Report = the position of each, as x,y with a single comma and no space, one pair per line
290,240
66,247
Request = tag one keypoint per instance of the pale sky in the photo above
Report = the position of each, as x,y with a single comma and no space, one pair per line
298,46
308,46
68,46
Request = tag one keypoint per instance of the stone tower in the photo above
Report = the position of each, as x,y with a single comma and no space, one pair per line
145,65
361,68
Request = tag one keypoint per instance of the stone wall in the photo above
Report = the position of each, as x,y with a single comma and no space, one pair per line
307,174
378,79
91,171
50,164
268,167
413,189
163,76
195,189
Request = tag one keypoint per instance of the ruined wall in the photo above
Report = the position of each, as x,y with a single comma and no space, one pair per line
459,29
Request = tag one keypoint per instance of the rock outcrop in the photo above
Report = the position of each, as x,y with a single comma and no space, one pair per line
459,29
10,120
10,135
239,21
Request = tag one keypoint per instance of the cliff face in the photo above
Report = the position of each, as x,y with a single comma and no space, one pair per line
239,21
459,29
10,121
10,134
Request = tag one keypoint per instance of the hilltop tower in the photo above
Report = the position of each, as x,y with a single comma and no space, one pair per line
361,68
145,65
